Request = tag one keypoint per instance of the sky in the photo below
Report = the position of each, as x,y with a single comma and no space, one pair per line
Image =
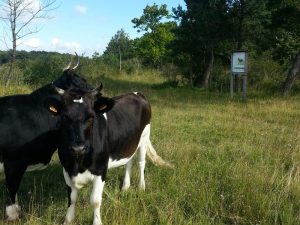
84,26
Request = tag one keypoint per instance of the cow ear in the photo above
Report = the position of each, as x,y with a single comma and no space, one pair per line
103,104
53,106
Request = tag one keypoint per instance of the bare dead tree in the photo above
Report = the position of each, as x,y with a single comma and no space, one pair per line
19,16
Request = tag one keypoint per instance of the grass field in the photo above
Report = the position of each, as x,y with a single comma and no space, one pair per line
236,163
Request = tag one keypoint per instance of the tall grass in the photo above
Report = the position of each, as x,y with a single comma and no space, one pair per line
236,163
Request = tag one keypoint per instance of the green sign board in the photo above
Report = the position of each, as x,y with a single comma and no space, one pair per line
239,62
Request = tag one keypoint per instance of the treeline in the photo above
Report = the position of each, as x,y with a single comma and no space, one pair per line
192,45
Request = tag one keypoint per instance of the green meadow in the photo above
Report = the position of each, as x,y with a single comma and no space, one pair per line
235,162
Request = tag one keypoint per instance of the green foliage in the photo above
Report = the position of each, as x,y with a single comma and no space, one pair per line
151,18
119,48
204,28
44,69
285,30
153,47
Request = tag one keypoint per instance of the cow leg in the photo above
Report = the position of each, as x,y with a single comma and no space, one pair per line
96,198
142,162
72,197
126,181
13,174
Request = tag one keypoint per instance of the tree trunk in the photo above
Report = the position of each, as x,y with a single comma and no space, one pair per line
14,42
292,75
208,70
11,64
120,59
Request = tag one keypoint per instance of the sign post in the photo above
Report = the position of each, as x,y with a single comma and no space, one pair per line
239,61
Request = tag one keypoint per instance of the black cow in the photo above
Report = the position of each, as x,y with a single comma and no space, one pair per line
100,133
28,131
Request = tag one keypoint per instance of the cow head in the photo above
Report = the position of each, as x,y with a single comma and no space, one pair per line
78,113
70,80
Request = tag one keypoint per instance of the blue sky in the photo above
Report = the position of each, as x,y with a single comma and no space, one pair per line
86,26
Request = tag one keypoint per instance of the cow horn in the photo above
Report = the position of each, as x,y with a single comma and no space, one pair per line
77,62
97,89
69,65
59,90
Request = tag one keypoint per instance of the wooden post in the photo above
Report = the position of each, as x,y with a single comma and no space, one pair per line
231,85
245,87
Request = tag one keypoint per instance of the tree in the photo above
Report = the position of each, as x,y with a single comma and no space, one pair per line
248,20
153,46
120,46
214,28
285,36
19,15
151,18
204,27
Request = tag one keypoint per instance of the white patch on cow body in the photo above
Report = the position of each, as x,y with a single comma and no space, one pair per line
126,181
78,100
142,143
77,182
117,163
12,212
1,167
105,116
71,210
39,166
96,198
82,179
141,149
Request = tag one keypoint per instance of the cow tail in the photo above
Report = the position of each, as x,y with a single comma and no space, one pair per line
155,158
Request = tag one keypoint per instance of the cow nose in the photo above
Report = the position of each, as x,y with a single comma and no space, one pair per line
78,149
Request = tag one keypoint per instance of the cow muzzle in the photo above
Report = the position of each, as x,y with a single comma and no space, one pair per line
79,149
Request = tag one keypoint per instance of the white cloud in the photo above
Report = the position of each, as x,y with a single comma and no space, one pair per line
30,43
65,46
81,9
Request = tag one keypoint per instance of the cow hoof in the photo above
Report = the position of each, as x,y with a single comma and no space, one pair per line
66,223
125,187
8,220
97,223
12,213
142,186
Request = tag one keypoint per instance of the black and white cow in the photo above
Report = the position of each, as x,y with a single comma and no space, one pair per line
100,133
29,131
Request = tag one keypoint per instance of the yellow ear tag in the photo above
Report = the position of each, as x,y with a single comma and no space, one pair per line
53,109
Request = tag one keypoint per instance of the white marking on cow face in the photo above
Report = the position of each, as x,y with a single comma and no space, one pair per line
12,212
39,166
96,198
105,116
82,179
135,93
78,100
1,167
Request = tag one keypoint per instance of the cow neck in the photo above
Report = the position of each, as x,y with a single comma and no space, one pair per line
39,94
